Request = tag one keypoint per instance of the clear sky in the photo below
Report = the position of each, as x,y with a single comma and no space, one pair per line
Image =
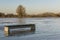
32,6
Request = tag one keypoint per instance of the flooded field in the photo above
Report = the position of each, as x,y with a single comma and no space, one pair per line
46,28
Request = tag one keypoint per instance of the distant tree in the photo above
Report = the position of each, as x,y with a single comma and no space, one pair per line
20,11
2,14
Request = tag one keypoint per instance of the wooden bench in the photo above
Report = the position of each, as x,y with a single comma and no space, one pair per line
7,28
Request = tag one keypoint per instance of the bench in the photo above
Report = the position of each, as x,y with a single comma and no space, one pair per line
8,27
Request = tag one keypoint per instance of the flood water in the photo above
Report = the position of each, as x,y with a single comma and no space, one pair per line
46,28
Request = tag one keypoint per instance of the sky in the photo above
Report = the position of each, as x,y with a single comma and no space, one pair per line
31,6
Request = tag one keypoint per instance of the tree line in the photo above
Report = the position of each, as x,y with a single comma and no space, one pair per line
7,15
46,14
21,13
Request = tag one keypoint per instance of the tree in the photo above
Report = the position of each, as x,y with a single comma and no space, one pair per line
2,14
20,11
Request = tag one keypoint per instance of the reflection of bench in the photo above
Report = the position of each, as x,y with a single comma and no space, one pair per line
7,28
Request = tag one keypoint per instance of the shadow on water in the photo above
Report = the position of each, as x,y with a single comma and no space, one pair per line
21,33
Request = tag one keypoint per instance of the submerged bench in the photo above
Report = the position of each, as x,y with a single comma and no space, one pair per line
7,28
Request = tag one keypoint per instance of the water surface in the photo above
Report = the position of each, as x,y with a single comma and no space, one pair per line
46,28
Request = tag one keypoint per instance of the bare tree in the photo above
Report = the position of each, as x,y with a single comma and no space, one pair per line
20,11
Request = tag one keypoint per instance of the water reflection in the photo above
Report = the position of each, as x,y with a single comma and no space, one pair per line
21,33
21,21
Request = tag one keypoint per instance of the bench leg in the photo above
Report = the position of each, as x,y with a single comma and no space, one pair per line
6,31
32,27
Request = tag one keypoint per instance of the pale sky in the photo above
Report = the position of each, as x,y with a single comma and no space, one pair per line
32,6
